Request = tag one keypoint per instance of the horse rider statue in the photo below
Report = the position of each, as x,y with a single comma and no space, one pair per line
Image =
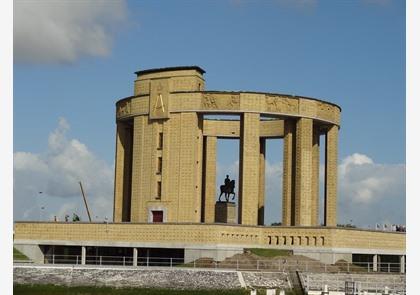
227,189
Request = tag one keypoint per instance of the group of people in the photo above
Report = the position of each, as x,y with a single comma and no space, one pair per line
394,227
67,217
400,228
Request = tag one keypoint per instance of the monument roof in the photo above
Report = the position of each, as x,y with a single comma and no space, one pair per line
167,69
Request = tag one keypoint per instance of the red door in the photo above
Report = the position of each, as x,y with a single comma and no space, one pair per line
157,216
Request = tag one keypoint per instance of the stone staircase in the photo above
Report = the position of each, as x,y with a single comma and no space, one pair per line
249,261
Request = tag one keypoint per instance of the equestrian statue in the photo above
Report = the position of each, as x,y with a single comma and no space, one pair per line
227,189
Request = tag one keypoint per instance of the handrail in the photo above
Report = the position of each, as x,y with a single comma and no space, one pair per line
276,265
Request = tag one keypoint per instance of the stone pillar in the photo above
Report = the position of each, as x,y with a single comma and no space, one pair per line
330,191
135,256
119,172
261,193
375,262
210,156
315,178
122,189
138,168
128,159
289,143
249,169
402,264
303,207
83,255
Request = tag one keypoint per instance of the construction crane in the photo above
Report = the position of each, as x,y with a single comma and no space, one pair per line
84,199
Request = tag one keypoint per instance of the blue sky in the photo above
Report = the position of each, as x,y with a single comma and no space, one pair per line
351,53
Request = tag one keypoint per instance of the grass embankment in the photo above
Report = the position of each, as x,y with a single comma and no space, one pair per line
61,290
17,255
269,252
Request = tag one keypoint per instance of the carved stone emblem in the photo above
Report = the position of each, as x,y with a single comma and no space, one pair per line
271,103
279,104
234,101
124,108
159,99
209,102
159,106
326,111
324,107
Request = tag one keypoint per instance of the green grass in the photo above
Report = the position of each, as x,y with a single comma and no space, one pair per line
17,255
269,252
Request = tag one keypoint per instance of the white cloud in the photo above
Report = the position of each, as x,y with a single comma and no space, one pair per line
363,181
370,192
63,31
56,174
355,159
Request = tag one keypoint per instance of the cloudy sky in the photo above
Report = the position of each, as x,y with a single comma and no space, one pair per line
74,59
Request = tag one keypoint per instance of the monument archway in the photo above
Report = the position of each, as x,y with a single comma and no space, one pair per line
166,150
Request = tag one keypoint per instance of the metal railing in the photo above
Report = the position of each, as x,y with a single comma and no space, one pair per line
394,284
279,265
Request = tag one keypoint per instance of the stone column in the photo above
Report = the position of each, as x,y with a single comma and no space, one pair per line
119,173
261,193
289,143
330,191
303,208
138,168
210,156
375,262
122,190
126,211
249,169
315,178
402,264
135,256
83,255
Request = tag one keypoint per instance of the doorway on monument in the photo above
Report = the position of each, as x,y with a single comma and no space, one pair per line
157,216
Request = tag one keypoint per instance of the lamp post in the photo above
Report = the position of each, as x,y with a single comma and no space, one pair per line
39,208
42,212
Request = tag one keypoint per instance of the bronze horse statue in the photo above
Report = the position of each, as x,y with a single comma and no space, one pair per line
227,190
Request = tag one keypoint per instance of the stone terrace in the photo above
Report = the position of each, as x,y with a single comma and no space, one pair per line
147,278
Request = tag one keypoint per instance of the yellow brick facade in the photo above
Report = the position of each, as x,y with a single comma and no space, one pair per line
249,171
206,234
331,147
289,144
210,178
315,177
303,197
